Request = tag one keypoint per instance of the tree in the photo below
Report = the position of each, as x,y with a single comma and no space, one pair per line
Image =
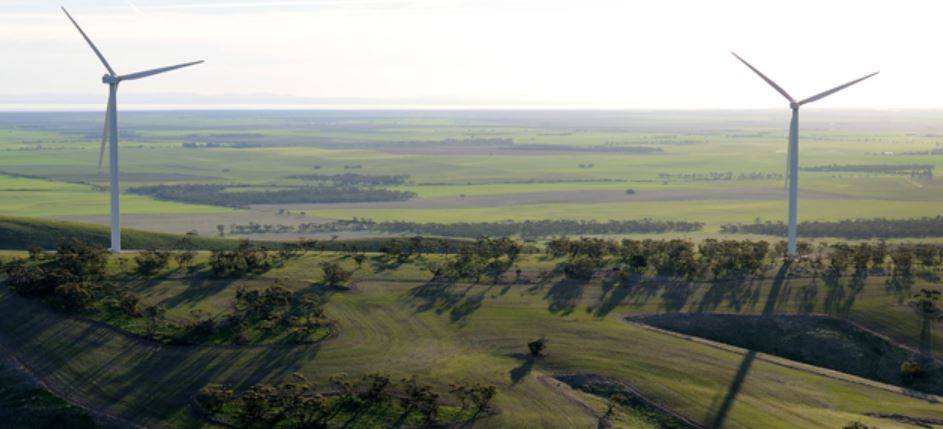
421,398
151,260
74,296
263,304
35,253
310,306
256,403
344,387
129,303
359,258
377,388
153,316
185,258
28,278
581,267
615,399
222,230
537,346
477,395
212,397
925,302
334,274
910,371
857,425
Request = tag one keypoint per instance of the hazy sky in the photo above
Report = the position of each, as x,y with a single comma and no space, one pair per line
585,53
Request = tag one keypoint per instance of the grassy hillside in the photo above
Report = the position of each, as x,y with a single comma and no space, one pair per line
17,233
21,233
394,320
23,405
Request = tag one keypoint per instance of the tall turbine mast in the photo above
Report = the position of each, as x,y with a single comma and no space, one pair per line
110,132
793,152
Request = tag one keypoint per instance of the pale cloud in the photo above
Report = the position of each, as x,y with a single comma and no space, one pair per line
604,53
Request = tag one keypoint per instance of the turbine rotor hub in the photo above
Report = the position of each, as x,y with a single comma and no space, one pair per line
109,79
794,106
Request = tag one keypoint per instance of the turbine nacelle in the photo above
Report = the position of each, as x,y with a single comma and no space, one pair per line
110,80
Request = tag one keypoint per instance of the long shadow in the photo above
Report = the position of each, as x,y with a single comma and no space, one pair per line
563,296
676,295
442,297
614,292
900,284
926,347
382,263
518,374
200,286
720,415
737,291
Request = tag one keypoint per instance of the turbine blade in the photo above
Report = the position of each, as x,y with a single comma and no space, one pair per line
835,89
768,80
147,73
107,132
97,52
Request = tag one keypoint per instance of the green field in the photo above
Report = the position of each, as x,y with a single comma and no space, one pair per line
394,320
472,178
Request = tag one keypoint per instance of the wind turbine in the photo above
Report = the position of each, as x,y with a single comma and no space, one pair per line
110,133
792,159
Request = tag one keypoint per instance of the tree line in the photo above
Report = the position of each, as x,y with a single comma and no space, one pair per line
722,259
351,179
848,228
717,176
299,402
591,149
528,229
217,195
912,170
74,279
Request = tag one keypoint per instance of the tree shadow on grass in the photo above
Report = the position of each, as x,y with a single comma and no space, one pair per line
564,295
614,293
719,415
200,287
736,292
900,284
385,263
676,295
444,296
527,365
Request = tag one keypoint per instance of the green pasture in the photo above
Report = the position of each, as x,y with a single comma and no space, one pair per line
64,148
394,321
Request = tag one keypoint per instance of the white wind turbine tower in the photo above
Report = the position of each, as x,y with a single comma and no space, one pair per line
792,159
110,132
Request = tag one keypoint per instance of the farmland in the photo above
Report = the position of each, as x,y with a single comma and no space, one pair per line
364,267
711,167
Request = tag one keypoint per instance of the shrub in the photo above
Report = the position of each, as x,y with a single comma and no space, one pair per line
580,267
537,346
74,296
28,279
910,371
212,397
151,260
377,388
185,258
334,274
